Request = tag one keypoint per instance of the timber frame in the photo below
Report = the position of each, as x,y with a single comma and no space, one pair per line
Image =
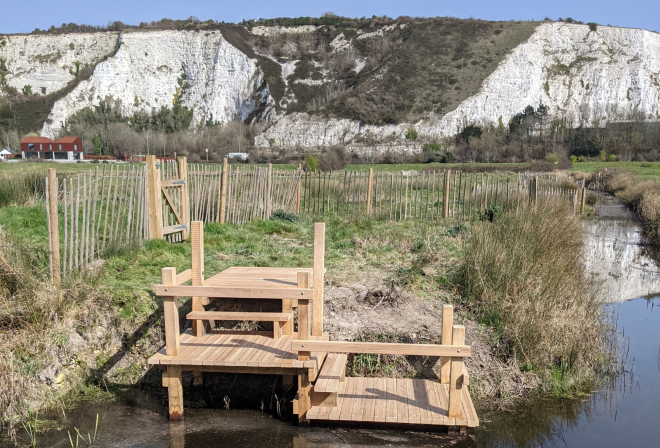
299,347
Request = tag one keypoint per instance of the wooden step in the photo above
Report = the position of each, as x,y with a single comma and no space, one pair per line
331,374
230,315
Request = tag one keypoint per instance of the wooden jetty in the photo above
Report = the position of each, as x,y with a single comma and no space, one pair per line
299,349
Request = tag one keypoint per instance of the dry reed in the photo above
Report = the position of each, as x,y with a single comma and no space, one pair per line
523,276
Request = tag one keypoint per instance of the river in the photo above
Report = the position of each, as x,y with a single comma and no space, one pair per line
622,413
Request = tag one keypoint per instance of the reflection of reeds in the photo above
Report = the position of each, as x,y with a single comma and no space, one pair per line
523,276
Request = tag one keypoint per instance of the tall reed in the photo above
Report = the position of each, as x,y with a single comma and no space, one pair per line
523,275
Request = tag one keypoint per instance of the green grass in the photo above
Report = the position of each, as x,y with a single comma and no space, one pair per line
645,170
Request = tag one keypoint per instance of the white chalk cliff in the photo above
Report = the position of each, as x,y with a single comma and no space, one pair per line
50,61
584,76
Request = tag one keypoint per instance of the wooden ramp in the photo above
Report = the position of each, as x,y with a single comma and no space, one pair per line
392,400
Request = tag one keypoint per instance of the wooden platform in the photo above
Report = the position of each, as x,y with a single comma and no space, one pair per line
259,278
392,400
216,351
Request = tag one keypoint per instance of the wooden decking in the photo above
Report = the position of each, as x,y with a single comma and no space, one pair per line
392,400
216,351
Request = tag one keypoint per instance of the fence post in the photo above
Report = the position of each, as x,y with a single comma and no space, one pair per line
369,188
54,229
184,196
533,190
299,192
583,196
445,199
155,200
269,190
223,195
456,381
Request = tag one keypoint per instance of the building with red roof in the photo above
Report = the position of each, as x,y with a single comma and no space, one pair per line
66,148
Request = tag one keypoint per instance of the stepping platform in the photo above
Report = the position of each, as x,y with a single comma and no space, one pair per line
257,350
395,400
331,374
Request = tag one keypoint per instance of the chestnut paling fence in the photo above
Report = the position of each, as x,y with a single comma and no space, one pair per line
118,206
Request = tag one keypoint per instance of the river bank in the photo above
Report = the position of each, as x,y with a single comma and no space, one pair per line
616,415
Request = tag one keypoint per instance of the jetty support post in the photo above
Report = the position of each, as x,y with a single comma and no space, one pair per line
319,270
200,327
447,337
172,376
302,403
456,380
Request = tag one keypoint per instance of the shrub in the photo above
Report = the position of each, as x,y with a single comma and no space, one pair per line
593,26
574,159
612,158
552,158
471,131
281,215
523,275
411,134
27,90
311,164
333,158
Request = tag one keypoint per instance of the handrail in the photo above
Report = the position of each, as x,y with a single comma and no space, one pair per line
383,348
234,292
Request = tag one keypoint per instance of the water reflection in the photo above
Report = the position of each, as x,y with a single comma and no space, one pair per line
615,259
620,414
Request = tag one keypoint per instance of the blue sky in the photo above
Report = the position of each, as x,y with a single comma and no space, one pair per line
26,15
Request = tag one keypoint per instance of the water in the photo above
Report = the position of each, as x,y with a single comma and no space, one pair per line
623,413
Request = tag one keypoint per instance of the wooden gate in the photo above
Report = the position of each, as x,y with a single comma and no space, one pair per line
175,192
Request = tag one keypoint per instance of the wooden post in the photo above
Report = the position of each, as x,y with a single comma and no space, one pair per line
319,268
303,399
184,196
447,328
456,380
583,196
445,200
269,190
223,195
533,191
197,233
53,228
299,192
171,315
172,380
369,187
155,200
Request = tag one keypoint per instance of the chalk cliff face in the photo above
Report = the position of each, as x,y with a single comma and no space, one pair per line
50,61
153,69
587,77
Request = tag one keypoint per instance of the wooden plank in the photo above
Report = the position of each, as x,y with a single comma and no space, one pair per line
336,374
380,402
359,400
443,393
155,201
183,277
227,315
347,403
236,293
54,230
468,409
391,406
437,417
413,401
402,400
173,207
369,401
172,183
325,374
459,351
336,412
421,395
